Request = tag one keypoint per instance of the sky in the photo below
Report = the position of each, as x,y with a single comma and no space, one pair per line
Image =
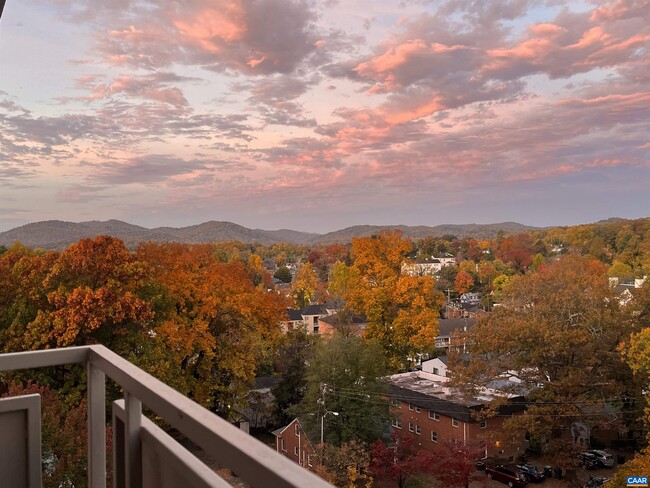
318,115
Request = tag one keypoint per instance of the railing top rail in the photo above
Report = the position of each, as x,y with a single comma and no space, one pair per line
243,454
14,361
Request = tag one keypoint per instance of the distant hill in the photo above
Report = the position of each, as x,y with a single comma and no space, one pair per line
478,231
56,234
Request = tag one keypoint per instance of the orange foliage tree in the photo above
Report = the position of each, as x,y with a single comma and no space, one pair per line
402,311
213,325
91,292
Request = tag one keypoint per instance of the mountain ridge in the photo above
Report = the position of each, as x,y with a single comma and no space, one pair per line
59,234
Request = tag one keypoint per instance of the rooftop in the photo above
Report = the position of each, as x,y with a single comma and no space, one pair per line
429,391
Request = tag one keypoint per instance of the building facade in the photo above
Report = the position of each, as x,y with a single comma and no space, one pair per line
292,442
423,406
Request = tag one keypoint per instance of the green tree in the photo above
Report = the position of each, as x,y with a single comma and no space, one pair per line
283,274
291,365
344,376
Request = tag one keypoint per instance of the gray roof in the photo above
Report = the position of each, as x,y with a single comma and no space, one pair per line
417,389
447,326
294,314
345,319
314,310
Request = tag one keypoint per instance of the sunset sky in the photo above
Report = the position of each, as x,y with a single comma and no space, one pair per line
317,115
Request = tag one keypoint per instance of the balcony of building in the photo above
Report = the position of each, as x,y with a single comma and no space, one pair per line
144,455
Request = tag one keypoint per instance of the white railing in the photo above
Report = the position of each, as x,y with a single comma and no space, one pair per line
251,460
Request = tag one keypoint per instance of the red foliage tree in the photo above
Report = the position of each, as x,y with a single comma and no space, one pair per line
454,464
517,251
399,460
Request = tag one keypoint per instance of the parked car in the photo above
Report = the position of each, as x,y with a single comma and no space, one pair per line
509,475
588,460
596,482
532,473
604,458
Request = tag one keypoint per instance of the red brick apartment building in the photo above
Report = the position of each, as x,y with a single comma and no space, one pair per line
422,405
292,442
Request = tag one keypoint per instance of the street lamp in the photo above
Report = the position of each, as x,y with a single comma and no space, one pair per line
322,424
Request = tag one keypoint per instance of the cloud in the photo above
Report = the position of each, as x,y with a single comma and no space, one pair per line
153,169
273,99
150,87
248,36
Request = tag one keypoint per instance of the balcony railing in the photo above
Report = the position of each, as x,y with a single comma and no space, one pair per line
143,454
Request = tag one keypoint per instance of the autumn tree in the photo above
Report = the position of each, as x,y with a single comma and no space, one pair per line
399,460
636,349
557,331
256,270
92,297
463,282
402,310
214,328
487,271
346,466
454,464
517,251
22,294
638,466
304,287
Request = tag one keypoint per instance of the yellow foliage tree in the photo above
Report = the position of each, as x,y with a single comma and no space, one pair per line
402,311
304,287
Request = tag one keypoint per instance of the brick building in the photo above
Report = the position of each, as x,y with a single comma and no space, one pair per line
292,442
423,405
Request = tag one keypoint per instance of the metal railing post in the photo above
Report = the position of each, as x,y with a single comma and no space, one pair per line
96,427
133,458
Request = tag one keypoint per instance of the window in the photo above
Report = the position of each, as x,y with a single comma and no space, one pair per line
434,415
282,446
483,424
417,430
454,423
295,451
296,429
397,422
410,427
434,436
410,406
417,409
436,371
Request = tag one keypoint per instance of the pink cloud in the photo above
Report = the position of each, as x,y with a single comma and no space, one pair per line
262,37
150,87
578,46
208,28
621,9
